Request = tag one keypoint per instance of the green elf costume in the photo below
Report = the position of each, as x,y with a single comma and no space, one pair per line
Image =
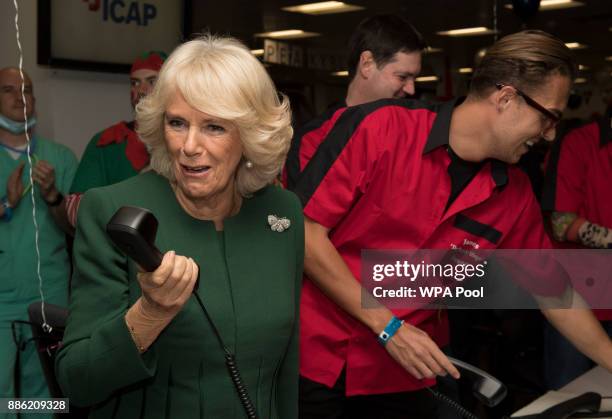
116,153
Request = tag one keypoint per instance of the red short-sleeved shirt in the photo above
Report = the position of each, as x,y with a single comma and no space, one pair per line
380,181
578,177
305,142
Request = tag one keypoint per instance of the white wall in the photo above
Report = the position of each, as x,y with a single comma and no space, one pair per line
71,105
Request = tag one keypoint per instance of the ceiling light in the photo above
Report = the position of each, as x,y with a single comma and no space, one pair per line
559,4
575,45
583,67
554,4
343,73
580,80
257,52
431,50
423,79
287,34
323,8
480,30
466,70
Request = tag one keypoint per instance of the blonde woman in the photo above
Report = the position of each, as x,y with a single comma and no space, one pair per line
139,344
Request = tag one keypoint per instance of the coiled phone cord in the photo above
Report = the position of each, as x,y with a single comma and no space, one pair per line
460,409
232,367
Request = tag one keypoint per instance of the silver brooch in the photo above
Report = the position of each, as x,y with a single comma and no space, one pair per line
278,224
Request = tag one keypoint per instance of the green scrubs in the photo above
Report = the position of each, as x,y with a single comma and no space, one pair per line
19,284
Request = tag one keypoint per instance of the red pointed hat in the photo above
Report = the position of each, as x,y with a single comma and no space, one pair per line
151,60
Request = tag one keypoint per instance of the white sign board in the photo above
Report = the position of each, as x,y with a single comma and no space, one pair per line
113,31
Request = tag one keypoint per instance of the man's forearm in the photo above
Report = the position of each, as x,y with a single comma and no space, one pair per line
579,326
326,268
410,347
60,216
567,226
561,222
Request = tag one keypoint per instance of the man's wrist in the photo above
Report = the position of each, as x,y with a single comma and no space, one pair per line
55,199
376,320
389,331
561,223
12,202
7,209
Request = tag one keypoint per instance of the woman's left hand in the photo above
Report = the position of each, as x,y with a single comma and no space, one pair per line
166,290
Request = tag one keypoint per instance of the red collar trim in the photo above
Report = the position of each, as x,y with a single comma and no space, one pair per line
135,150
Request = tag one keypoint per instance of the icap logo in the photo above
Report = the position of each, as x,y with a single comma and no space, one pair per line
119,11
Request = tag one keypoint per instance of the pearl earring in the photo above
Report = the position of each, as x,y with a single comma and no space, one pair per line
249,164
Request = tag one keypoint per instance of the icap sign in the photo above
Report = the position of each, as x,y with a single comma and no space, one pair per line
129,12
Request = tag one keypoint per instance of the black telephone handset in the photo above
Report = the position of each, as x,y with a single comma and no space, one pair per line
491,392
133,230
486,388
590,402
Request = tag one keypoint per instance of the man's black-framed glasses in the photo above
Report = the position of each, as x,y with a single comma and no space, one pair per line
551,117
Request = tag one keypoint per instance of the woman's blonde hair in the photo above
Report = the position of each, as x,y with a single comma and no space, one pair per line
220,77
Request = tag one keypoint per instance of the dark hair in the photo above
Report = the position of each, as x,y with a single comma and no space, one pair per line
524,59
384,36
301,109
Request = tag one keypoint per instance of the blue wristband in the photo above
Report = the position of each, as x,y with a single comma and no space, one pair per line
8,211
390,330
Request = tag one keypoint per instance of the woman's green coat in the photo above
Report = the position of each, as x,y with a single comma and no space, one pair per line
250,279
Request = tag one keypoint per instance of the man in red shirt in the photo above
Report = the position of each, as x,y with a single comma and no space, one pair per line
384,60
577,195
407,175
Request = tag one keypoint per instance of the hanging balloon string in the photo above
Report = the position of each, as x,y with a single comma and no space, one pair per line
494,20
46,327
